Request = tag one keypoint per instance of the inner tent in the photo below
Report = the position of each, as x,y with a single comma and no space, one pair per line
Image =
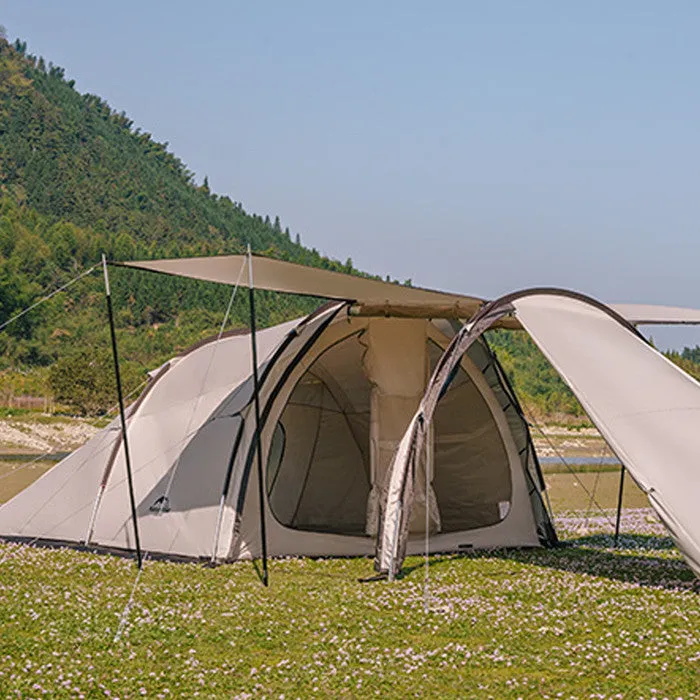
332,433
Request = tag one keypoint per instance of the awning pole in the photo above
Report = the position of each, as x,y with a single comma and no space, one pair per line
256,401
125,441
428,474
619,503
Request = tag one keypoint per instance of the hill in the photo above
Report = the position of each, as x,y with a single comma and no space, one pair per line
78,179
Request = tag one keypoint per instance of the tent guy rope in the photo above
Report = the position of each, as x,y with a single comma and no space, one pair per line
563,460
599,464
46,298
124,619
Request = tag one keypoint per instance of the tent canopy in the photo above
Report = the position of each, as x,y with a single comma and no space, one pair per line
372,297
282,276
645,407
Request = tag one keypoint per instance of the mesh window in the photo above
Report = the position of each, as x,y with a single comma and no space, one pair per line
472,479
318,467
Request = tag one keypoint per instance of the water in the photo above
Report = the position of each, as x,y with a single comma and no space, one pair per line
29,456
580,460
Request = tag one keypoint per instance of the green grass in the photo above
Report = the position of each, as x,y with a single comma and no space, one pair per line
583,620
32,416
559,468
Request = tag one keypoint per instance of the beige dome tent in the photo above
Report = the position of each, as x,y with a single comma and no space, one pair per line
337,391
336,394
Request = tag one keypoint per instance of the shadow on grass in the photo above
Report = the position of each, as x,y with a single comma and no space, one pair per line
593,555
642,542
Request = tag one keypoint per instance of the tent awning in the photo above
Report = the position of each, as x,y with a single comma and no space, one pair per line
283,276
371,296
645,407
650,315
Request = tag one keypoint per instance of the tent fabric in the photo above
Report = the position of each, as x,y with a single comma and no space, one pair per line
396,364
320,480
397,497
331,384
518,528
472,473
374,297
651,315
646,407
282,276
172,433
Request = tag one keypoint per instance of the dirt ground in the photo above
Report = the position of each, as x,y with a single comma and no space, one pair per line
553,440
43,434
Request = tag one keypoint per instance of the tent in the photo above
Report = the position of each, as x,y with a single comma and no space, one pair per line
336,393
645,407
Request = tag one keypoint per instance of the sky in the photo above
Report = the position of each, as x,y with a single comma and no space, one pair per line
468,146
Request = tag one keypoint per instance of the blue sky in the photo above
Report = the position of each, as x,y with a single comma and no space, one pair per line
476,147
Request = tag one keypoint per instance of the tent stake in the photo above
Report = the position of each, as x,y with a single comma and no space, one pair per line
125,441
619,503
256,401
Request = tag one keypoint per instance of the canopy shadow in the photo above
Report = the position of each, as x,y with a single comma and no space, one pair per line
586,556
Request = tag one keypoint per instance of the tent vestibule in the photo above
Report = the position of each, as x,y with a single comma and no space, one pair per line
644,406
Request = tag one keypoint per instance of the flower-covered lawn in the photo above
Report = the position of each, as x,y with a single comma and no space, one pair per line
581,621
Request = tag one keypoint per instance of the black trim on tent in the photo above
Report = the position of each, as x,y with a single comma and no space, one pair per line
547,532
294,333
268,407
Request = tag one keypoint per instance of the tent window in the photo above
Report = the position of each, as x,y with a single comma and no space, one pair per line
318,466
472,479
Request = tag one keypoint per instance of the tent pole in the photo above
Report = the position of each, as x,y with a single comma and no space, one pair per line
118,379
256,401
619,503
428,474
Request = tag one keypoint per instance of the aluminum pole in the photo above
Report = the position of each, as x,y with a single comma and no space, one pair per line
256,401
125,441
619,503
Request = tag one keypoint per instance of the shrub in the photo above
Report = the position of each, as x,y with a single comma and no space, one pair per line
85,380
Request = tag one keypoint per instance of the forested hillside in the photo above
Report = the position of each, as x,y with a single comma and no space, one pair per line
77,179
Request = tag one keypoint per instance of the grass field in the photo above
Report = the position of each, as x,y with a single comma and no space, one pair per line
584,620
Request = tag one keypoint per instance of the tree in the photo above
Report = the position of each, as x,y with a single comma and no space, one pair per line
85,380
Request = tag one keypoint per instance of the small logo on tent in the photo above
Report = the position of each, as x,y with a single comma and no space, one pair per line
160,505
